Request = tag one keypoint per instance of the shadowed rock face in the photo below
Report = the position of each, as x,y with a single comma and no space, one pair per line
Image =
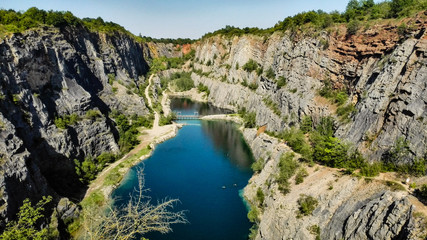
47,73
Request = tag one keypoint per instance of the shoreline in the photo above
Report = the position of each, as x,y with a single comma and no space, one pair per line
113,175
120,168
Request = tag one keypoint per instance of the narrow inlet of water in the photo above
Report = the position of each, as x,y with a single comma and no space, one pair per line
204,166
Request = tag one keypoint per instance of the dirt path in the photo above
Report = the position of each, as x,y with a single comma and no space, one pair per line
148,136
150,103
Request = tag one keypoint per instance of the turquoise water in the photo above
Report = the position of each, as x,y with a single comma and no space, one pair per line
204,166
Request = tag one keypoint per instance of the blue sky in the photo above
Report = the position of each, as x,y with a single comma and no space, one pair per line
185,18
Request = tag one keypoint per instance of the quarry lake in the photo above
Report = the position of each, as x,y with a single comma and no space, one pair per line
205,166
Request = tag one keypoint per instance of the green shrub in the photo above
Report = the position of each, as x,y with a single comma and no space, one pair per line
87,169
250,120
260,197
93,114
307,204
270,73
253,86
167,120
331,152
395,186
257,166
370,170
142,121
203,88
340,97
281,82
66,120
253,214
250,66
401,30
295,139
90,167
60,123
315,230
272,105
26,225
397,155
344,112
253,231
128,130
352,27
306,124
287,168
182,81
326,126
111,78
301,174
422,193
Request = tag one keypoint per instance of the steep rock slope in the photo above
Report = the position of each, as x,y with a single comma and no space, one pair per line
383,72
348,207
48,73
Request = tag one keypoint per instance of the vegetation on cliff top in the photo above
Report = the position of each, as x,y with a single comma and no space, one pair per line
14,21
356,11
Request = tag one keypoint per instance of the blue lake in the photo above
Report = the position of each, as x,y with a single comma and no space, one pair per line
205,166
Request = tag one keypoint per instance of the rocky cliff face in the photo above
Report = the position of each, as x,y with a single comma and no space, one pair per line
383,72
50,73
348,207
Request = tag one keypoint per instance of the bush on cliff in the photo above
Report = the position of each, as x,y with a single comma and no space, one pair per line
307,204
287,168
28,220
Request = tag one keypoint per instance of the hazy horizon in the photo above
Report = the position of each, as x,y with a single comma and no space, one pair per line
184,19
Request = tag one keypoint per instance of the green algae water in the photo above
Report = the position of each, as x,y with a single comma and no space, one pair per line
205,166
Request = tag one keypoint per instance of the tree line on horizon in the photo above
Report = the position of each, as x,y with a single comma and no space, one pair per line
357,10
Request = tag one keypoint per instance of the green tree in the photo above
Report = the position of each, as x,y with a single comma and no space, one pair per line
398,5
352,27
35,14
27,224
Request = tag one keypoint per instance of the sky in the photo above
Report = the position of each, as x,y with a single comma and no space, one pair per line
183,18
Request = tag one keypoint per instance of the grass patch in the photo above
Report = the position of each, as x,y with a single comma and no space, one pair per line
394,186
96,198
64,121
251,66
301,174
249,118
272,105
260,197
257,166
281,82
287,167
307,204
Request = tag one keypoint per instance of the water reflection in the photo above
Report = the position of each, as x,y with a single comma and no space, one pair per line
228,139
188,107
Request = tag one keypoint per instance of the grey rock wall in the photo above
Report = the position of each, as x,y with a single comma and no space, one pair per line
348,207
385,84
48,73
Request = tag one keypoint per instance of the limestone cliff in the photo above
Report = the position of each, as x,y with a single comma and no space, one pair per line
383,72
348,208
48,73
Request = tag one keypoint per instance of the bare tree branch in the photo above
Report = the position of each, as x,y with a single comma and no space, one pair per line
137,217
